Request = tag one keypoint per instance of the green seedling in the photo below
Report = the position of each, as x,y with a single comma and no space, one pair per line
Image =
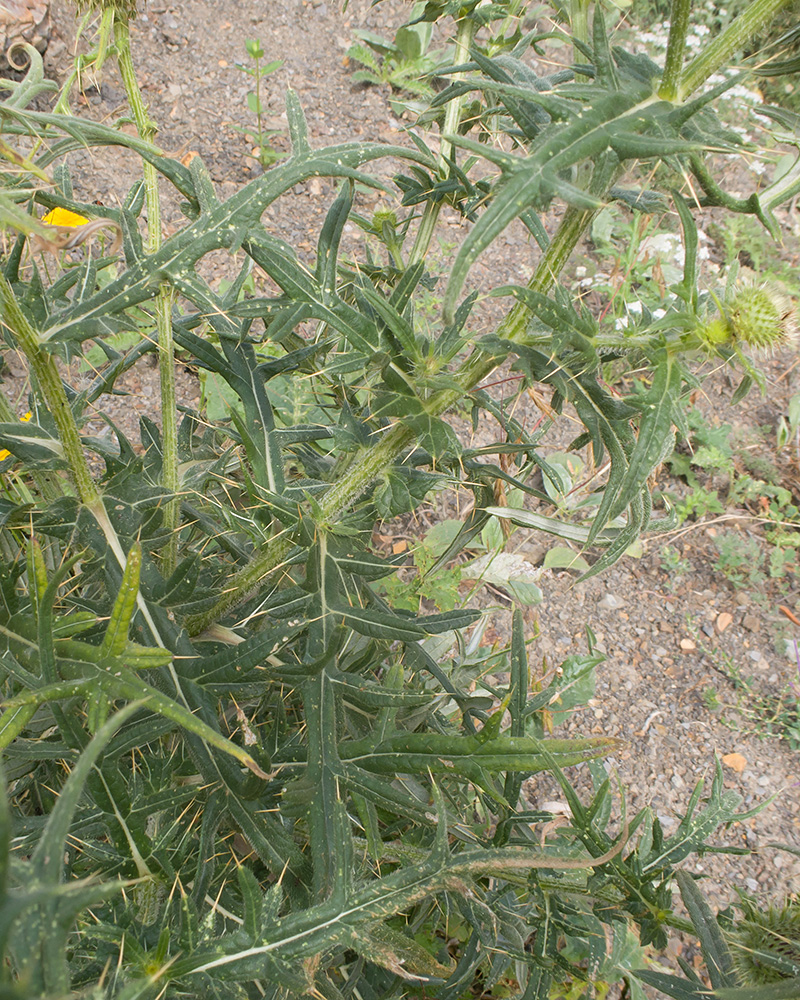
261,137
406,63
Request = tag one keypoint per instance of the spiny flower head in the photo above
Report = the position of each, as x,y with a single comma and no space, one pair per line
761,317
766,942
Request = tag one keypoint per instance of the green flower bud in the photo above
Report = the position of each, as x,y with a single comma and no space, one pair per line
716,332
384,217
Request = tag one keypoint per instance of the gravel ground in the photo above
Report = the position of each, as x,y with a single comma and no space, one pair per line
665,636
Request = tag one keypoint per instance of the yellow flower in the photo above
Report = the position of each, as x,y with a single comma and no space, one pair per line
63,217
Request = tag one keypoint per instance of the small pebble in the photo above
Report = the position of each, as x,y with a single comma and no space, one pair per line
755,655
668,823
609,603
751,884
660,651
764,781
723,621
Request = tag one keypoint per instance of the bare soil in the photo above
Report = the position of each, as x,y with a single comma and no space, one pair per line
665,636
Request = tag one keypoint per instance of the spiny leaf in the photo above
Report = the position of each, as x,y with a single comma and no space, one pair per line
115,639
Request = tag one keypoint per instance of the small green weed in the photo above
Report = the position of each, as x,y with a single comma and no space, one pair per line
775,716
673,563
723,474
739,559
440,588
743,240
407,63
266,153
788,430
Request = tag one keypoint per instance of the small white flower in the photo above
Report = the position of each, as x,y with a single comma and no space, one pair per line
662,245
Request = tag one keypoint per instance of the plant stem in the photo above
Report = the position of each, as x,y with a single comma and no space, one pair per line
452,118
258,107
579,19
44,369
676,49
163,304
579,26
721,48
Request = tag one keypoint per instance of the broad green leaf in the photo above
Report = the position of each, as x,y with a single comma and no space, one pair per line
513,573
562,557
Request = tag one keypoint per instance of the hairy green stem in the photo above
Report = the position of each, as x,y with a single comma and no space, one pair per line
163,304
579,19
676,49
44,369
579,26
720,49
452,119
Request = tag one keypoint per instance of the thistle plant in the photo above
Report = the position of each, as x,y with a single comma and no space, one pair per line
233,768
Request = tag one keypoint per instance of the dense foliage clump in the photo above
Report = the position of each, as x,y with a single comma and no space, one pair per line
234,767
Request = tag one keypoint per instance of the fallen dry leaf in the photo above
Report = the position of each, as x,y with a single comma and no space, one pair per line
723,621
735,761
400,546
